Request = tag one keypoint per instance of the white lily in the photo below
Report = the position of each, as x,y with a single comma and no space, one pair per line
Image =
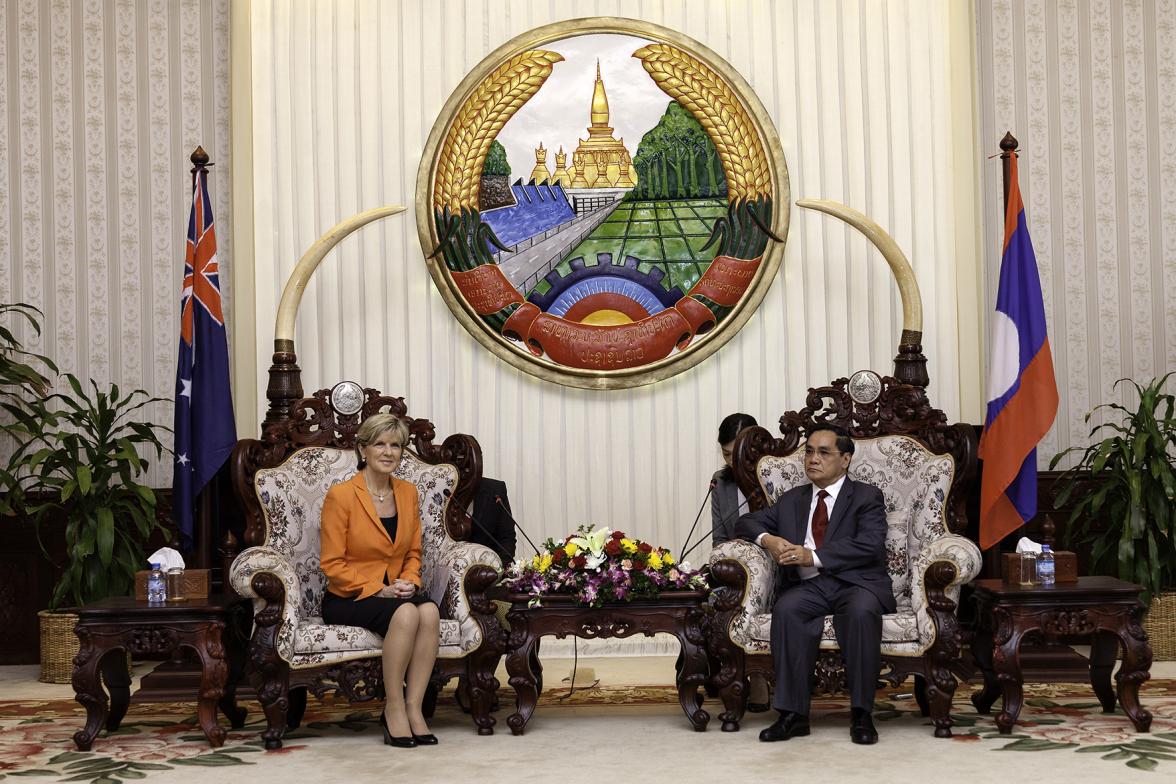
593,541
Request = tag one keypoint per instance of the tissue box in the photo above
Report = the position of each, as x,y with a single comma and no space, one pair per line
1065,567
195,584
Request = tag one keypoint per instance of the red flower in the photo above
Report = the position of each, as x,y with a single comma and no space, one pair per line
645,547
579,562
559,556
618,535
613,547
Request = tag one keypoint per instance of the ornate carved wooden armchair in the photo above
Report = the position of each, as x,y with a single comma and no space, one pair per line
282,480
922,466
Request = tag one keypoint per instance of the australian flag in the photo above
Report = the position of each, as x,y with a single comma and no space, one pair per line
204,427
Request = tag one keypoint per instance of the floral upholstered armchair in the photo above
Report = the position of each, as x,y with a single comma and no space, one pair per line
282,481
923,467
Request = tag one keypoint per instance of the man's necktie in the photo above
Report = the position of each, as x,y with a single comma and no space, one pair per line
820,519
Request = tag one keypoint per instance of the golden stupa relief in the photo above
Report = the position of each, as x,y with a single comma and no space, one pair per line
600,161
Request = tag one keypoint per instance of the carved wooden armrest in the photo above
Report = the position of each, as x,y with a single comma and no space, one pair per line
266,576
745,574
943,566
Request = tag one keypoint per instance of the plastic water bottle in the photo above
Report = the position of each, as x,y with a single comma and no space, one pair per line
1045,567
156,586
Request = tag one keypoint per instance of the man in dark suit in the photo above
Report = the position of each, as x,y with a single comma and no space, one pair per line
491,525
829,537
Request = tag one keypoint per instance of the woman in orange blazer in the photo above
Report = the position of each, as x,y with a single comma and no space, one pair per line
371,555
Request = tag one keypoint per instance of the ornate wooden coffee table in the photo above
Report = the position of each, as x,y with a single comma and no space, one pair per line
215,628
680,613
1103,609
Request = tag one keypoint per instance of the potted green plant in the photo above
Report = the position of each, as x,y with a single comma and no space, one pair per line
1125,478
79,454
21,381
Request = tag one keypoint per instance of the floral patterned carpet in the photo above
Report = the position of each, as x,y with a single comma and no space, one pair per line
36,735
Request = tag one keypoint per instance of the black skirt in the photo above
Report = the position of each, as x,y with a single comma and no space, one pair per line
373,613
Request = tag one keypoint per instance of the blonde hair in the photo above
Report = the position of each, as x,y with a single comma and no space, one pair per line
375,426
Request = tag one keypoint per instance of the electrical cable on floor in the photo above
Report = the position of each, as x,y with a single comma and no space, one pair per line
575,664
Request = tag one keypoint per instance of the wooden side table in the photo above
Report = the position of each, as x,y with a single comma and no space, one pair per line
1104,610
215,629
678,613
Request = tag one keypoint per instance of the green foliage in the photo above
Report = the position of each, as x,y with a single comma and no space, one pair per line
496,163
21,381
77,458
1127,479
677,160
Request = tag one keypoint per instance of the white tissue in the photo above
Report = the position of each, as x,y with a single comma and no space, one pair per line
167,558
1027,545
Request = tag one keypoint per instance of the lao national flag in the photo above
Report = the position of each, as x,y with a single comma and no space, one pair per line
1022,394
204,428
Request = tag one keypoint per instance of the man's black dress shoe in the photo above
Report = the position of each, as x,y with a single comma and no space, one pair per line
861,727
789,725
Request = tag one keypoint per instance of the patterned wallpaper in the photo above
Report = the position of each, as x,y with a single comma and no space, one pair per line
1088,87
101,105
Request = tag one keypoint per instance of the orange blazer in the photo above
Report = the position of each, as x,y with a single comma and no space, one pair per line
356,551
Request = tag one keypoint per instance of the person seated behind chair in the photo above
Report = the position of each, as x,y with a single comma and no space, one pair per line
371,555
830,539
727,503
490,523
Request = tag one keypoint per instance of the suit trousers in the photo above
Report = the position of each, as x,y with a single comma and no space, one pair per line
797,621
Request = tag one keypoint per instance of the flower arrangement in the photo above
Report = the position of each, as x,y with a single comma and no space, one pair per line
600,566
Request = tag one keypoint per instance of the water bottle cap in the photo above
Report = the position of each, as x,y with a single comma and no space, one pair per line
1045,548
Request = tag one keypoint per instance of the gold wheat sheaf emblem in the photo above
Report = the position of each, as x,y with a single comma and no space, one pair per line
498,97
716,107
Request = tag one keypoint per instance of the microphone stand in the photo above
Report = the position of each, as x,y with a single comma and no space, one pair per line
515,523
714,528
710,489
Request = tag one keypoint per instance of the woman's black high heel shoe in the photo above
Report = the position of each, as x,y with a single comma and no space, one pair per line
425,740
400,743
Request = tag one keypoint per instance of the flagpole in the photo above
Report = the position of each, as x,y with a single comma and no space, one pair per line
1008,149
203,534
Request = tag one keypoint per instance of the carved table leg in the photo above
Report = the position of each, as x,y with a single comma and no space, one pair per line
1006,662
523,678
88,688
1136,668
692,674
118,683
206,642
732,686
1103,648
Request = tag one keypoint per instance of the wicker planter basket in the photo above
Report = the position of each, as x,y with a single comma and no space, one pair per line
1161,626
59,646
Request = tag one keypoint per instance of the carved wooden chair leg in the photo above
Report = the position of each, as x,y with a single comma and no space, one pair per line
296,707
273,692
940,686
732,687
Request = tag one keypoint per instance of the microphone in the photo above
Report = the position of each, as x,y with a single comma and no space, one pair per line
714,528
515,523
710,489
477,524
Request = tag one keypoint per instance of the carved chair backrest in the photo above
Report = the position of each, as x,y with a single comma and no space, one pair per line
922,465
291,497
914,482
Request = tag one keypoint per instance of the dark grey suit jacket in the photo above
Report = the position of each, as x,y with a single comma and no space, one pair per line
724,509
855,541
